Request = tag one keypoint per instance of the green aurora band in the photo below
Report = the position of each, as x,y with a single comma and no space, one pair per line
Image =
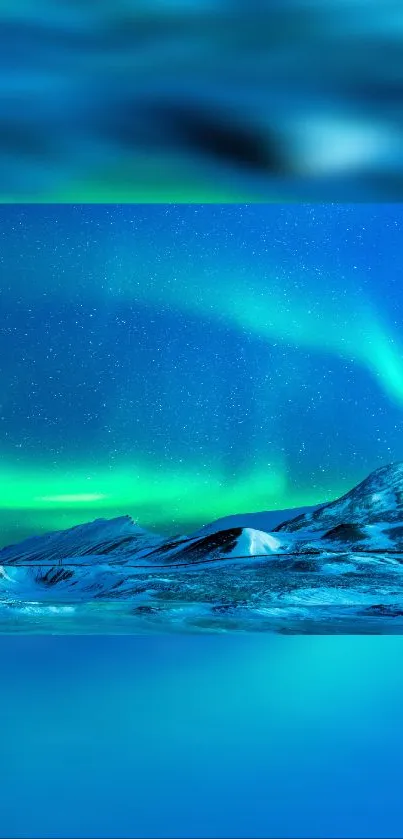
53,498
276,307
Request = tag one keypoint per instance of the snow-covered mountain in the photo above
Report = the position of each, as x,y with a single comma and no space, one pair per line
233,542
369,517
266,521
70,570
378,498
104,558
356,537
113,540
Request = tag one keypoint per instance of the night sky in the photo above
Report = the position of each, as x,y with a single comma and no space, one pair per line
184,362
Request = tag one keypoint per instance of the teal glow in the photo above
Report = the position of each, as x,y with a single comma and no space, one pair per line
180,363
239,736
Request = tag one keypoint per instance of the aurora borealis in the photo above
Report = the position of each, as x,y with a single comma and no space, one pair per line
185,362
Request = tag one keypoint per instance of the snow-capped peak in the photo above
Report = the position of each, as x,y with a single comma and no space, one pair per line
111,537
378,498
256,542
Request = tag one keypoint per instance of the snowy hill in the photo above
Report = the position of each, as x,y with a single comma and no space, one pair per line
357,536
266,521
114,572
223,544
370,516
115,540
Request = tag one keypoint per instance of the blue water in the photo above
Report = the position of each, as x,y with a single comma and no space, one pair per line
201,736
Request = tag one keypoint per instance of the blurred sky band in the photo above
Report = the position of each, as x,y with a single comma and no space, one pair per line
201,100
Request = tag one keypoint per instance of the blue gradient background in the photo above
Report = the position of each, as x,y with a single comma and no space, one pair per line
201,736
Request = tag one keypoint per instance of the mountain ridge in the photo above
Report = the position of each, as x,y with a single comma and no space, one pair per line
378,495
367,517
340,565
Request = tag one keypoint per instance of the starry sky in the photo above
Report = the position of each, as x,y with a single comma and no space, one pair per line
185,362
